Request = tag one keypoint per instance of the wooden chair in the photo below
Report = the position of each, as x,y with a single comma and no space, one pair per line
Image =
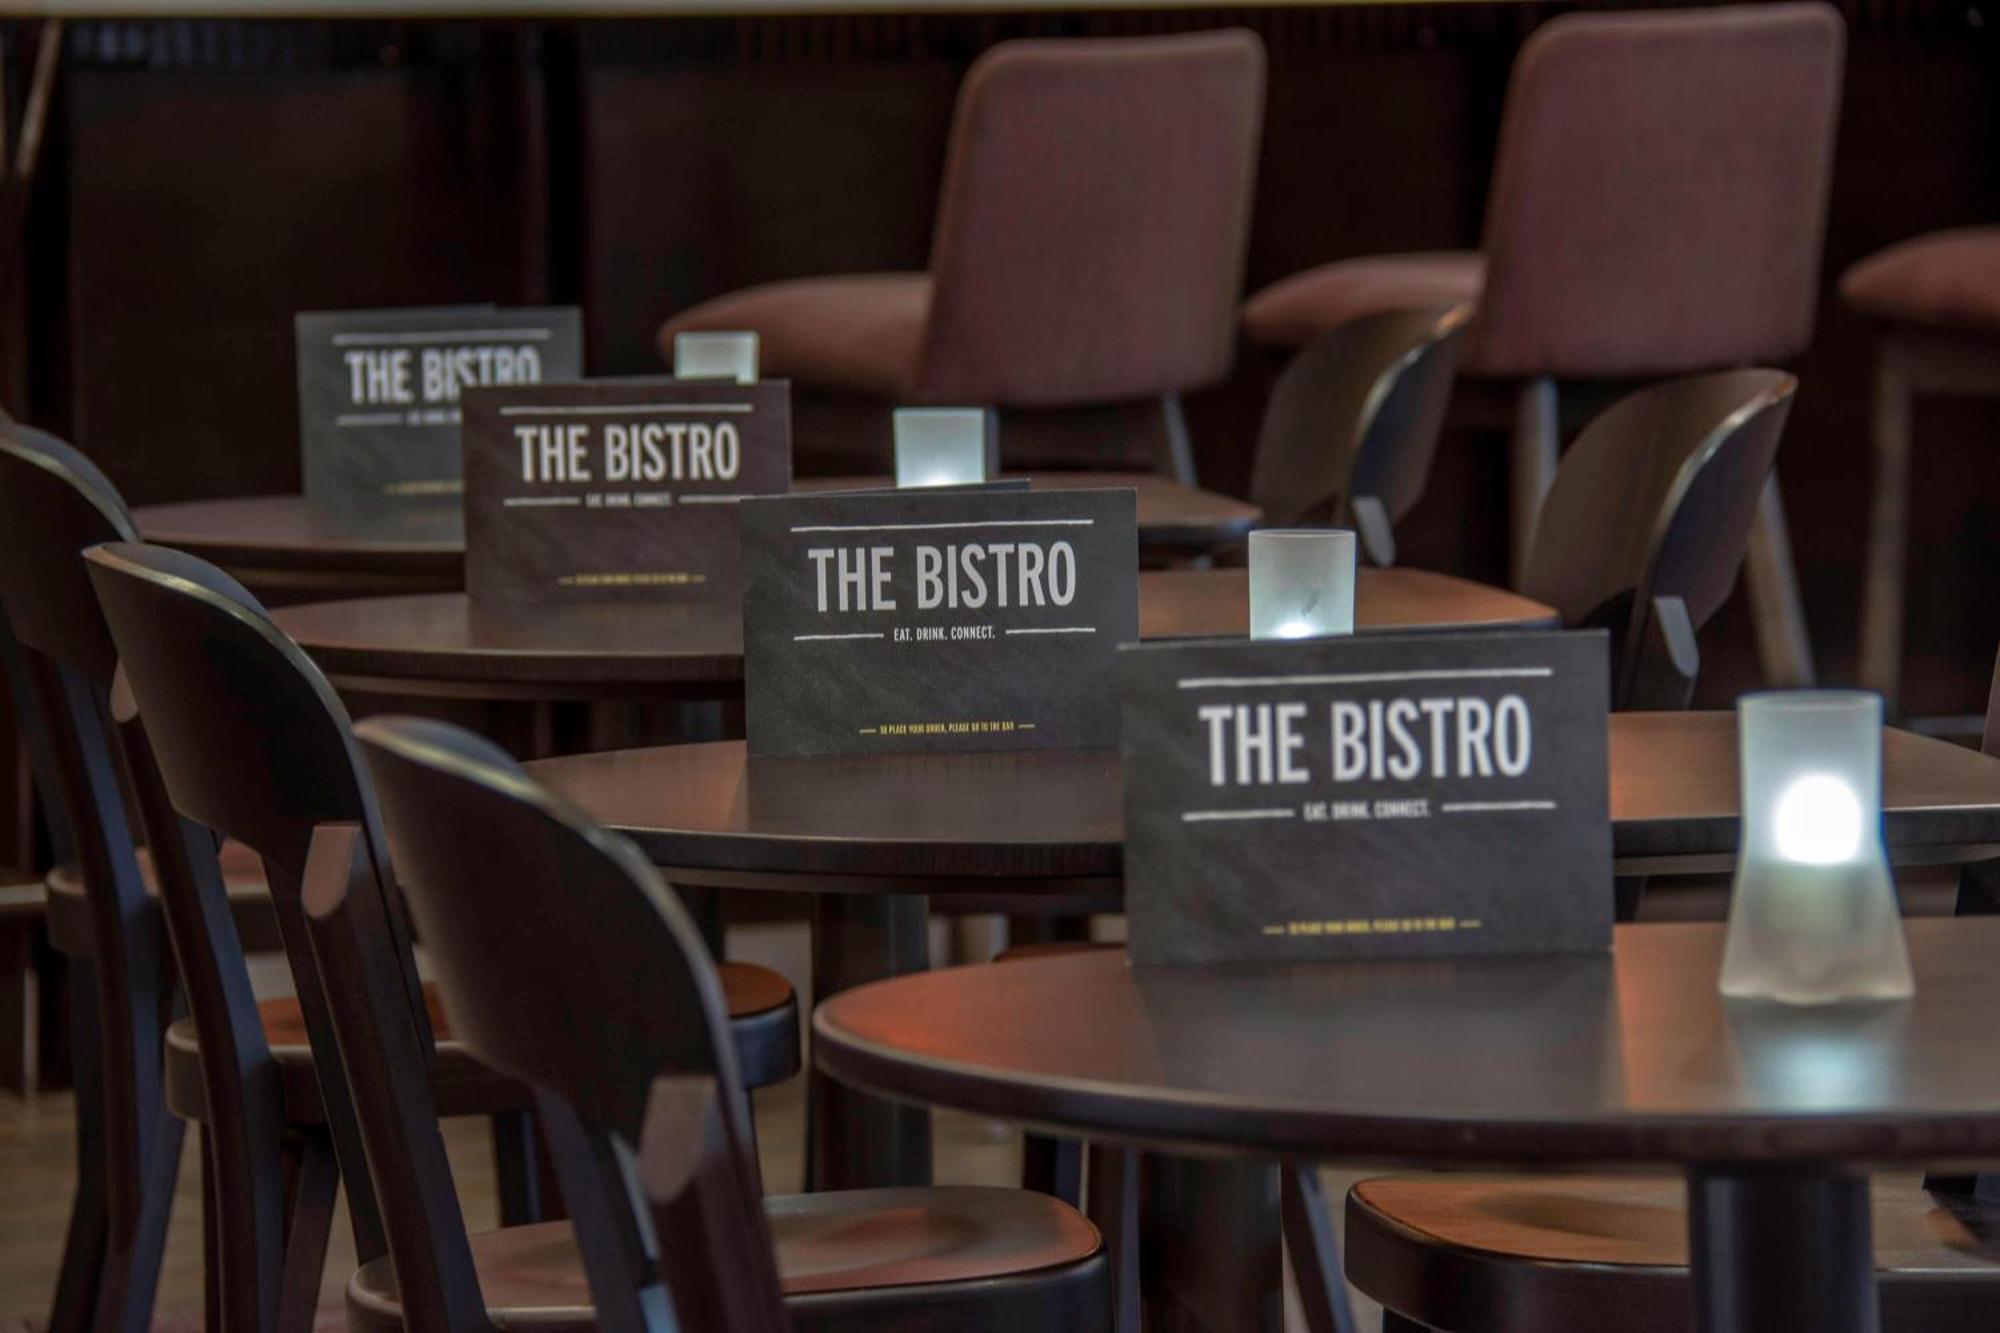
1936,302
590,994
1525,1254
102,912
1352,424
1657,207
251,740
1088,251
1648,520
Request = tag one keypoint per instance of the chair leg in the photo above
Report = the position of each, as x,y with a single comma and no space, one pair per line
315,1181
1783,645
1113,1205
516,1149
1180,447
1053,1166
1315,1255
131,1272
211,1238
1883,577
17,983
1536,445
83,1248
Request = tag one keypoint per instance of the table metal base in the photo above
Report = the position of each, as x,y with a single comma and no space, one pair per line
1781,1248
853,1140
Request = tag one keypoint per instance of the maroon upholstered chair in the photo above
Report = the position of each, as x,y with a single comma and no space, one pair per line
1088,248
1937,300
1657,208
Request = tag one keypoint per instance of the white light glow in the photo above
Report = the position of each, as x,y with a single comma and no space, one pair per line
1818,821
1294,629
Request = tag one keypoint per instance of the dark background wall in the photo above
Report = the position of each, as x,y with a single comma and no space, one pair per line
208,179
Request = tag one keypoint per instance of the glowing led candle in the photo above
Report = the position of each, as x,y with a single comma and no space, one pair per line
1813,916
1301,583
945,446
716,356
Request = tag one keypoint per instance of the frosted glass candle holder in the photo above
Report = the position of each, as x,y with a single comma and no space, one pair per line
1301,583
1813,916
716,356
945,446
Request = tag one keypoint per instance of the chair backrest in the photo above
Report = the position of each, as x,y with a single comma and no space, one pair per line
53,504
252,742
1659,194
1352,424
564,960
1093,220
1655,502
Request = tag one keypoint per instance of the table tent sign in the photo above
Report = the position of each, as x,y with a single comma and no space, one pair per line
618,489
379,404
898,622
1384,795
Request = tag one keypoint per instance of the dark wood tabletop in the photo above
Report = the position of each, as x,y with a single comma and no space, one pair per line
1629,1056
274,537
272,544
953,820
445,643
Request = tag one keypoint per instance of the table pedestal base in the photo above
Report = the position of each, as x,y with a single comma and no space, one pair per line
1781,1248
853,1140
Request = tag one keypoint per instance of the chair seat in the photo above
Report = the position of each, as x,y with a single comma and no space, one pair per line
1293,311
242,876
1946,278
763,1014
837,1253
856,333
1514,1254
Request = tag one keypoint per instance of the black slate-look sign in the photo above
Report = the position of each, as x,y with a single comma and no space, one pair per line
379,395
617,488
1368,796
893,622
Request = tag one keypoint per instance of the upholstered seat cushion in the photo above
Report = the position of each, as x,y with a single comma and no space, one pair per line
1293,311
953,1240
855,333
1947,278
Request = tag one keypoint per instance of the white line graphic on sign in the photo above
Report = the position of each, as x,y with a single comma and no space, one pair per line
934,527
1366,677
621,410
446,336
1207,816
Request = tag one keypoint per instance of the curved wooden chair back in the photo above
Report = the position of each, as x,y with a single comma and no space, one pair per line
252,742
1649,517
1352,424
532,978
54,503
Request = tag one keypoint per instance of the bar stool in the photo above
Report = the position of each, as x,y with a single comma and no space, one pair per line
1088,248
1937,301
1657,207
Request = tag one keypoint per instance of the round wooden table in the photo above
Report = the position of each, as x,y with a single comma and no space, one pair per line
870,837
280,552
1629,1058
276,548
445,644
1049,819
